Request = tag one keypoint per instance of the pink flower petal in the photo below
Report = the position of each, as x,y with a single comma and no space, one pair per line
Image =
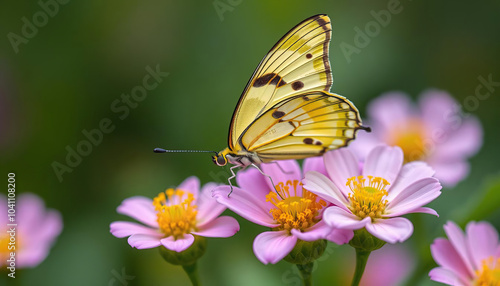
341,164
139,208
314,164
414,196
425,211
3,208
445,276
482,237
272,246
340,218
320,185
144,241
448,258
208,207
224,226
392,256
385,162
390,108
31,256
49,226
459,243
409,174
30,210
462,142
340,236
252,181
392,230
281,171
178,245
318,231
365,142
438,110
124,228
192,185
244,204
450,173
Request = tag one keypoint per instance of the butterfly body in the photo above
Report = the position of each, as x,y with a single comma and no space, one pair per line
286,110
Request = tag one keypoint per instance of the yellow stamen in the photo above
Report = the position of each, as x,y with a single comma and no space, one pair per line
176,212
366,199
489,275
292,210
411,140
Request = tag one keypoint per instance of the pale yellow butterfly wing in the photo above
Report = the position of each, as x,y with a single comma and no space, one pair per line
302,126
298,63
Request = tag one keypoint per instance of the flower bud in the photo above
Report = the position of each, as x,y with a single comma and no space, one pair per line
365,241
188,256
306,252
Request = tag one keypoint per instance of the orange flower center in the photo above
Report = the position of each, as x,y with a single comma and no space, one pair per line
410,139
176,212
367,199
489,274
292,210
7,246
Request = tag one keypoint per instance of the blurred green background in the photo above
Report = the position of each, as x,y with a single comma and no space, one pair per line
66,77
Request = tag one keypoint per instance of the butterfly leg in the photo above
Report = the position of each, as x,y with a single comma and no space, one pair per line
232,177
271,179
281,168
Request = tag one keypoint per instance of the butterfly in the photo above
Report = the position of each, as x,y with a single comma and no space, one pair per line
286,110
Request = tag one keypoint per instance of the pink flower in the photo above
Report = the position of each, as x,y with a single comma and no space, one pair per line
376,196
472,258
436,132
173,218
37,229
392,256
297,214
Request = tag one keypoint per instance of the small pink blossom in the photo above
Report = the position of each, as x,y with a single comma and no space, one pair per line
297,215
172,218
436,132
388,267
374,196
36,231
470,258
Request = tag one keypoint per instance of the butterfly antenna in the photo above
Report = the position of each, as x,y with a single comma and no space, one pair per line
161,150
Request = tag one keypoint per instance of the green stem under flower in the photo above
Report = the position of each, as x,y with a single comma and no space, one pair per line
361,259
192,272
306,272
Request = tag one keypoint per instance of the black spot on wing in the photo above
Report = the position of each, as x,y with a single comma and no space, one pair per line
297,85
308,141
270,78
309,56
278,114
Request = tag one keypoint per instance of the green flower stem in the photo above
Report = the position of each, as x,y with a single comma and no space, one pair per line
306,272
192,272
361,259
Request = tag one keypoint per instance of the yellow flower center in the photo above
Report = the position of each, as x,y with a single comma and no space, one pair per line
410,139
489,275
366,200
6,246
176,212
292,210
4,250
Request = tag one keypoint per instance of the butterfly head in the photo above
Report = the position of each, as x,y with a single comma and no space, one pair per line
220,159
